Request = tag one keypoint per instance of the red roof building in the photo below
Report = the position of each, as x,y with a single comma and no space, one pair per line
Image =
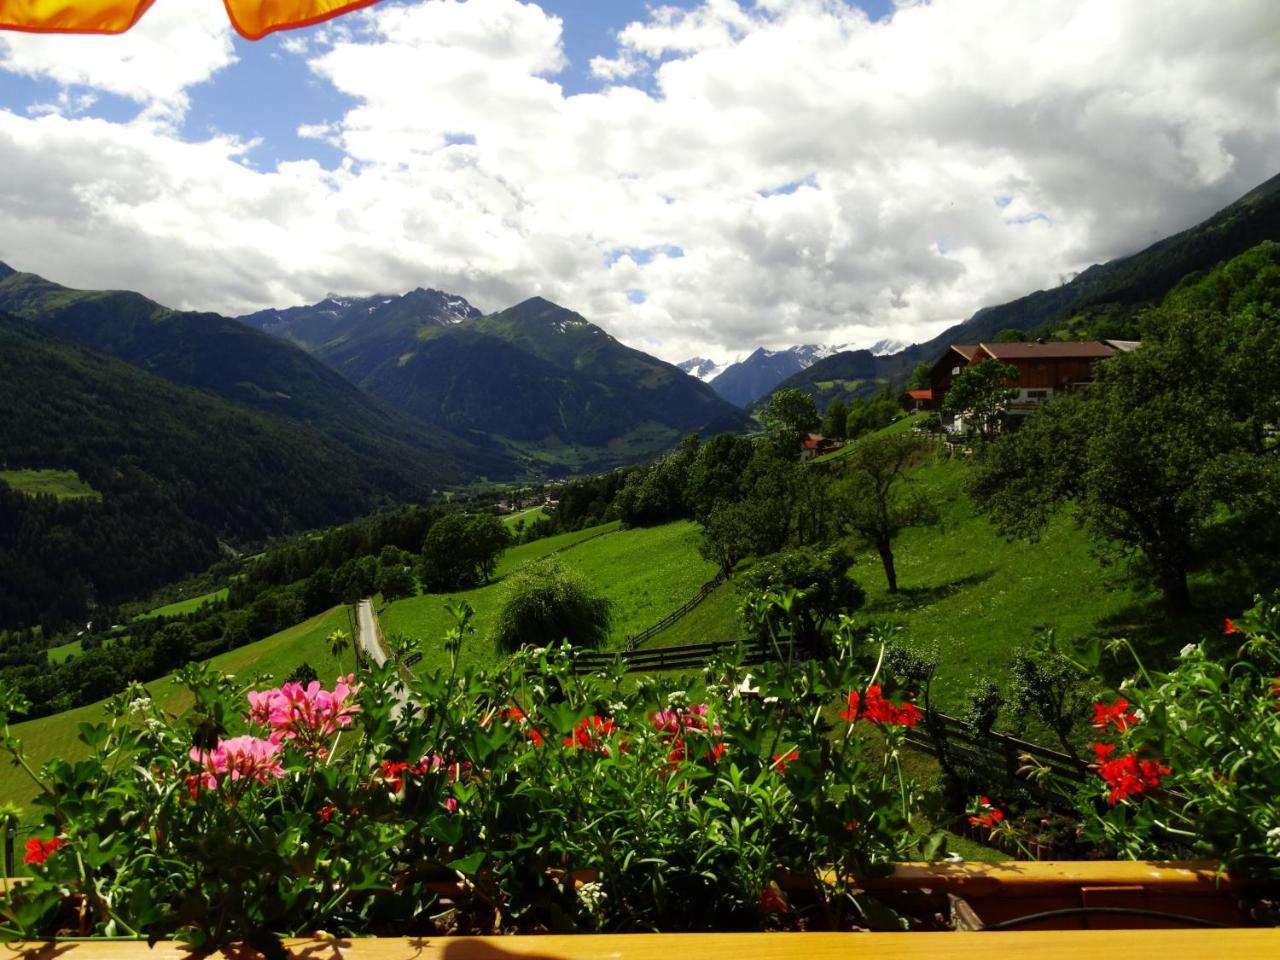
915,401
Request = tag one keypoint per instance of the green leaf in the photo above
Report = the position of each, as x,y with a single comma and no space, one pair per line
468,865
93,733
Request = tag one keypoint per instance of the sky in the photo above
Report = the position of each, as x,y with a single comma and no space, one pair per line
699,177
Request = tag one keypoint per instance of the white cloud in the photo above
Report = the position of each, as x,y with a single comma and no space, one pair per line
176,45
796,172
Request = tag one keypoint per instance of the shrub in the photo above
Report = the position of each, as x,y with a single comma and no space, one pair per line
543,603
824,590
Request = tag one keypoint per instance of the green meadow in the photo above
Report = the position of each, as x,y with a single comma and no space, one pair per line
646,573
190,605
63,484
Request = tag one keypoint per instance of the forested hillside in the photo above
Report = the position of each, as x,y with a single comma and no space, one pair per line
177,469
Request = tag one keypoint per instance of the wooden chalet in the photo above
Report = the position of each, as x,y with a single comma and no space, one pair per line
1045,368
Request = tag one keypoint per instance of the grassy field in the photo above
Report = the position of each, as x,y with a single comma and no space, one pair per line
63,484
714,619
528,516
978,598
190,605
278,655
647,573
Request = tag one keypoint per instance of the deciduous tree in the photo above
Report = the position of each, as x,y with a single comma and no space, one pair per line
980,393
544,603
873,498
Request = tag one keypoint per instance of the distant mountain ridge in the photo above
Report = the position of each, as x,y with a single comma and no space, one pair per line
246,366
536,381
1121,285
749,378
701,367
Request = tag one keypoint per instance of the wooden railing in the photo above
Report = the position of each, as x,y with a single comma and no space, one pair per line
1014,945
649,632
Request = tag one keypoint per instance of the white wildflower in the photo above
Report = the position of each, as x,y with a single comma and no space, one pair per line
1190,650
592,895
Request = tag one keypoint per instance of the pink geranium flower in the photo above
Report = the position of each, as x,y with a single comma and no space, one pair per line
240,758
307,717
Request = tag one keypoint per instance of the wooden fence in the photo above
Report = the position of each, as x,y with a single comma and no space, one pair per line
703,592
1000,757
688,657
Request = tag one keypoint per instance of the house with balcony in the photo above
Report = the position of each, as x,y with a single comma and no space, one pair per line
1045,369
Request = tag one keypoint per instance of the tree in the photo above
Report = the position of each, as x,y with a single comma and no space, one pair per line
920,377
1165,456
461,550
790,415
871,499
1012,335
822,579
834,423
544,603
717,473
981,392
487,538
867,416
656,494
396,581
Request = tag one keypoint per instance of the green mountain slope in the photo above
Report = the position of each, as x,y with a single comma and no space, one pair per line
537,379
1098,302
228,358
177,471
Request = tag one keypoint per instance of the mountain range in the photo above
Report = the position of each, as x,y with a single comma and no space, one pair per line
247,367
537,382
744,381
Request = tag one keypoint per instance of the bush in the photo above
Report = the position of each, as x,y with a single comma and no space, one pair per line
543,603
821,578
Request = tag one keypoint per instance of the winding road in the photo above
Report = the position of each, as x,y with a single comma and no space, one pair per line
369,638
367,633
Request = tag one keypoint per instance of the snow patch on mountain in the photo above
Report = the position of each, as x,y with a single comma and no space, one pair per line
704,368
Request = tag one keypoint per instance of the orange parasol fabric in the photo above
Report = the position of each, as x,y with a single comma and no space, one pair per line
253,19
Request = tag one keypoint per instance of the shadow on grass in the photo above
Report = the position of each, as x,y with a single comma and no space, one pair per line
1158,636
913,598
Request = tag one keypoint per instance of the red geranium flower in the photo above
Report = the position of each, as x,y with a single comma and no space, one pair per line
1114,715
1231,627
991,818
874,707
780,760
38,851
590,734
1127,776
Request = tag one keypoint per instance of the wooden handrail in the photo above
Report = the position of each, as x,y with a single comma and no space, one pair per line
1186,876
1013,945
